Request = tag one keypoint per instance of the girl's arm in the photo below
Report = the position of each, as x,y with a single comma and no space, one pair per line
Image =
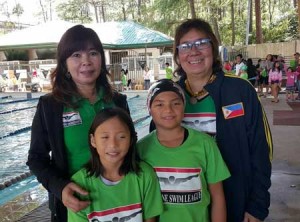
218,205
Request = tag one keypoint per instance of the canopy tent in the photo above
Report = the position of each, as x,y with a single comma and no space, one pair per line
113,35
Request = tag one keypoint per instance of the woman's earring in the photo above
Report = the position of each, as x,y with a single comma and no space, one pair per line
68,75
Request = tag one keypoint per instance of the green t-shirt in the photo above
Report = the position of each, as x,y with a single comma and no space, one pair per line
169,73
244,75
135,196
201,115
184,173
293,64
77,123
124,80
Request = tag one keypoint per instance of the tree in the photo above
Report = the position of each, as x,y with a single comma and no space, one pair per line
259,37
192,6
298,18
232,24
76,11
18,11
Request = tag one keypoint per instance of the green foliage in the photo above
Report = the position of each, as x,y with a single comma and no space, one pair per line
18,10
278,17
12,54
284,29
76,11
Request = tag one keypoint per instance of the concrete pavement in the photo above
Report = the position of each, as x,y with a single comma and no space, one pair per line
285,189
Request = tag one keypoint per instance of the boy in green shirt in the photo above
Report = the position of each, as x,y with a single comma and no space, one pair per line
187,162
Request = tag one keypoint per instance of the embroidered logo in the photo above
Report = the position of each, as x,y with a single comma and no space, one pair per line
71,119
234,110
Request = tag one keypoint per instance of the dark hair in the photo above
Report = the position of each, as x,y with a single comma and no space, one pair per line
167,64
202,26
272,57
249,62
74,39
131,160
239,55
274,66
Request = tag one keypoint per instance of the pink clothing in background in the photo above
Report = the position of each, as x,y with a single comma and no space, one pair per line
291,78
275,75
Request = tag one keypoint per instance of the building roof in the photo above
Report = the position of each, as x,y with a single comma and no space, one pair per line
113,35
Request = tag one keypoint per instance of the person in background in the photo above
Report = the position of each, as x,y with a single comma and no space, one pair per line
268,65
283,66
169,71
227,67
121,186
227,108
243,72
291,78
59,145
251,71
187,162
147,75
239,64
298,82
260,79
295,62
275,78
124,79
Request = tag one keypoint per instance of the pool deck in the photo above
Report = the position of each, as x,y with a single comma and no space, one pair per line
285,189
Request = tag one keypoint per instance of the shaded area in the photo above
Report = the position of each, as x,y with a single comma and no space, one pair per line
288,117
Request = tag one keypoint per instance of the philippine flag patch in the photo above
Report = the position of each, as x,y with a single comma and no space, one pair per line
232,111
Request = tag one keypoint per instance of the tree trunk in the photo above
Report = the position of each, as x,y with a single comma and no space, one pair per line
259,37
248,22
298,18
123,10
192,6
96,13
43,11
139,10
103,14
232,24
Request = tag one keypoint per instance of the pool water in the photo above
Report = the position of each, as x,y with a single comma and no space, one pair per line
15,120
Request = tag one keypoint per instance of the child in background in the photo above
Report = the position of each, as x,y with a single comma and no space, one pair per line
291,78
298,82
275,77
169,71
227,67
124,79
120,187
243,72
187,162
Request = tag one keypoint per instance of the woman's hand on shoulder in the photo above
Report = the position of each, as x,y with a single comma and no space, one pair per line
70,201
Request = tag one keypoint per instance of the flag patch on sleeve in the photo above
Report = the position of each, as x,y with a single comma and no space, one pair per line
234,110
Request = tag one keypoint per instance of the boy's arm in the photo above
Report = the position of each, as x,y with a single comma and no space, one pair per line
153,219
218,205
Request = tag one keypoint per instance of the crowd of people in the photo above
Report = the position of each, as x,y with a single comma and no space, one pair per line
206,158
268,74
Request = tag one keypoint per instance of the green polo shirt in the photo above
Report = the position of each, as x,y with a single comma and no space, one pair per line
77,123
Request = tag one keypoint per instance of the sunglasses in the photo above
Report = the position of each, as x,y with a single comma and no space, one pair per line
199,44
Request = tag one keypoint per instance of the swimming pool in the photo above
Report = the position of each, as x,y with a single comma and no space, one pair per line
15,119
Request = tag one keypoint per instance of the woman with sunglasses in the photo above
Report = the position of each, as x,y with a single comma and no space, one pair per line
227,108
